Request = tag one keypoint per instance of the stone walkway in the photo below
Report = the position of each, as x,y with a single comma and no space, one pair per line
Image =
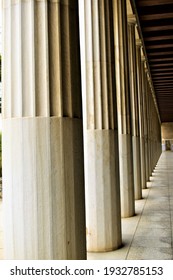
1,232
149,234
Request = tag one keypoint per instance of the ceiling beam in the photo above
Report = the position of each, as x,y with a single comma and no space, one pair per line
157,28
144,3
162,79
161,59
158,38
156,16
161,69
163,53
161,64
159,46
164,75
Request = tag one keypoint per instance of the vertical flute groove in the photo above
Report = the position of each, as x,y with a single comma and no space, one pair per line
64,80
122,69
28,84
16,67
55,64
100,83
41,59
6,62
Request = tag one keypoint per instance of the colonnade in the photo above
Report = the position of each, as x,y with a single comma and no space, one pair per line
55,190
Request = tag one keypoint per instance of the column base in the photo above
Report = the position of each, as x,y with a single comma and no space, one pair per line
103,217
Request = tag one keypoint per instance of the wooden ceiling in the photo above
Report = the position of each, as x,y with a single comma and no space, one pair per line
156,23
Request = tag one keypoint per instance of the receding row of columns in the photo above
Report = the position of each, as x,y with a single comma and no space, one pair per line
49,205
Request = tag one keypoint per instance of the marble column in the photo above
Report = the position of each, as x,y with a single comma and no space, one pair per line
144,92
150,136
152,124
154,130
103,217
151,131
148,124
134,106
141,113
153,136
123,107
44,208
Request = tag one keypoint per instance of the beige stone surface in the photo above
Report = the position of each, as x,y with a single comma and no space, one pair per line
148,234
141,113
1,231
144,95
134,108
126,176
43,165
102,190
123,108
44,191
167,130
136,167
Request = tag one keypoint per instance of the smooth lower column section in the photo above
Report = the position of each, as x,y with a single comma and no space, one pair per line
134,107
137,167
68,194
43,174
102,191
103,217
123,105
127,192
43,194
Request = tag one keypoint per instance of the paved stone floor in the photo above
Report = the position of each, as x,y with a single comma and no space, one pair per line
1,232
149,234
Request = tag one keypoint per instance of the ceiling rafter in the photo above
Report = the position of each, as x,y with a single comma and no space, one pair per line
156,25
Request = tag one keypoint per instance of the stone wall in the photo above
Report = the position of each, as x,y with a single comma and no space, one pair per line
167,130
167,136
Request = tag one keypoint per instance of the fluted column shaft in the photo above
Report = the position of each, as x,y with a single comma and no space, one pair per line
141,114
103,218
123,107
153,126
154,131
44,204
148,127
144,92
150,134
134,107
